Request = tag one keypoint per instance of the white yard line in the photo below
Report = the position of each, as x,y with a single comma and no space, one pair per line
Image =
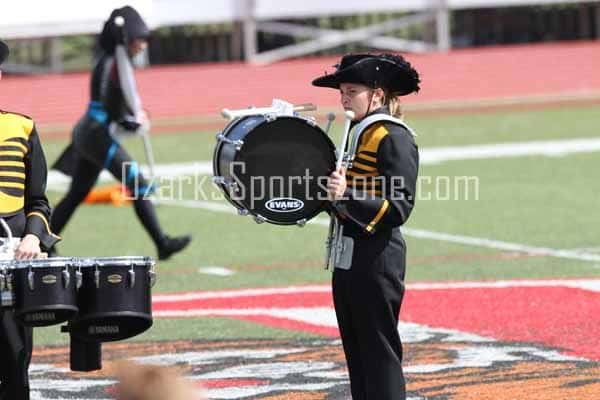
500,245
424,234
549,148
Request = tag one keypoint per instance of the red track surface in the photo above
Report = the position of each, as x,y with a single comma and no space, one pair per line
558,317
196,90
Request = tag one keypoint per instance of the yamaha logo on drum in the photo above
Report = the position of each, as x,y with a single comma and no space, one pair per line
40,316
103,329
284,204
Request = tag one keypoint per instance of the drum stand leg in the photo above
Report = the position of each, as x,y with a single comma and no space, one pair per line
85,356
333,243
329,241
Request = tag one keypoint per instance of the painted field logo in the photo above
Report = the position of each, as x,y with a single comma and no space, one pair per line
438,365
455,362
284,204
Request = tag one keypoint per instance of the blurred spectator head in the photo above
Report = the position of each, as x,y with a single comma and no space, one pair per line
152,382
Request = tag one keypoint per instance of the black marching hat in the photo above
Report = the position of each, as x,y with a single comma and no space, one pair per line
3,51
387,71
135,28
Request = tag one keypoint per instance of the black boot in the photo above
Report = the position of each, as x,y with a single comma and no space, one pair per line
171,245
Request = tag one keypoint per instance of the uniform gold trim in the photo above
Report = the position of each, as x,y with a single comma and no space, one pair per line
13,185
11,153
13,174
368,174
364,166
379,215
367,157
12,164
43,217
370,140
17,144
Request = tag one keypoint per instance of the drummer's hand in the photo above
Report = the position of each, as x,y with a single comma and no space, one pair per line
28,248
336,184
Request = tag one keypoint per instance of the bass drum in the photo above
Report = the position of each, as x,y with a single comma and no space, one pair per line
274,168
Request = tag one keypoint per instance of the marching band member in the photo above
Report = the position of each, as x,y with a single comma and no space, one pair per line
372,199
115,106
25,208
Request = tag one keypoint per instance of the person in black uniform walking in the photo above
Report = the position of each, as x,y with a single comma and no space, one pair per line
372,199
115,107
25,209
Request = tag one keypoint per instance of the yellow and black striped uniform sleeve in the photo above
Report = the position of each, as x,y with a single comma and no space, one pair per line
15,131
23,174
382,180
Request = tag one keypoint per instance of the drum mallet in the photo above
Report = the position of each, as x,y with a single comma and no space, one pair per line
232,114
330,119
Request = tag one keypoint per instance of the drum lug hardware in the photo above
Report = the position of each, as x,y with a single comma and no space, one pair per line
152,275
131,274
66,278
221,180
243,212
30,276
2,282
97,277
9,282
78,278
259,219
301,222
237,143
311,120
233,186
270,117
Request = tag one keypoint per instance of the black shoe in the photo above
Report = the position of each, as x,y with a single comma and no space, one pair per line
172,245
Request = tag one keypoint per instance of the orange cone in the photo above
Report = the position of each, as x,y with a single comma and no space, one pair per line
116,195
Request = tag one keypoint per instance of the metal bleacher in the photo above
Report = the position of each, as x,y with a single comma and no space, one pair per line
26,19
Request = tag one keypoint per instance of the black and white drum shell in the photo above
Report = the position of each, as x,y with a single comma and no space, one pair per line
114,299
45,290
275,148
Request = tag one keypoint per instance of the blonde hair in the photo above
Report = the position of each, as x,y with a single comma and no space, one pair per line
395,107
393,103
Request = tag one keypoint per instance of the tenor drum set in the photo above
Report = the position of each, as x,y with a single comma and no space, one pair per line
101,299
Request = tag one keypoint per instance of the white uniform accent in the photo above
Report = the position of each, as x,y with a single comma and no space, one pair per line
363,125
